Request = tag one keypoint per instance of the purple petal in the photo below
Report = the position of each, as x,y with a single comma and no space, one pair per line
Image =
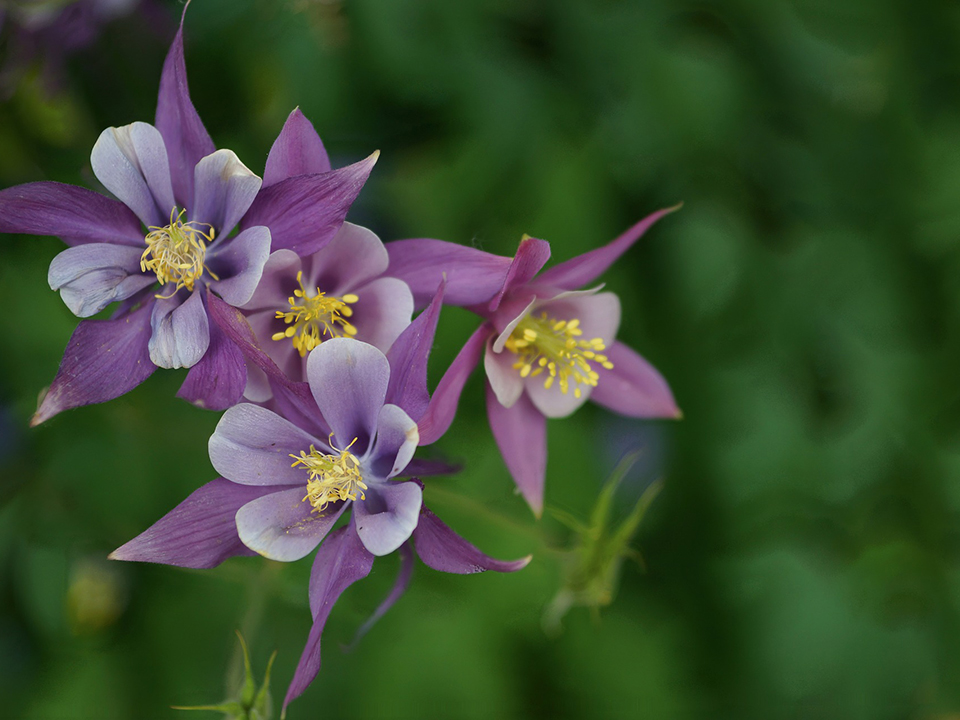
224,188
473,276
349,380
443,405
297,150
399,588
218,380
521,435
634,387
340,562
382,312
408,360
200,532
277,282
504,378
282,525
586,268
442,549
239,264
181,331
396,442
252,446
353,257
599,317
423,467
103,360
131,162
90,277
177,120
531,256
388,516
305,212
74,214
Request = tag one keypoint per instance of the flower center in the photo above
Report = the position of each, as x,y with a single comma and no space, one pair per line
544,345
310,318
175,252
332,477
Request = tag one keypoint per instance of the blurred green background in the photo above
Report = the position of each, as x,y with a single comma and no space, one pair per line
802,558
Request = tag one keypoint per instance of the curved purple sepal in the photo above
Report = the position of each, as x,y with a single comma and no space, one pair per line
583,269
104,359
218,380
531,256
305,212
74,214
297,150
200,532
442,549
177,120
521,434
340,562
633,387
408,361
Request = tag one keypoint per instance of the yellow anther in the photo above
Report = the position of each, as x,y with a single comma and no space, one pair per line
175,253
332,477
545,343
312,319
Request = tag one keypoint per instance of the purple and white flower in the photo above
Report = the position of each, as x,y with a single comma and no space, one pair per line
165,249
286,483
338,291
547,346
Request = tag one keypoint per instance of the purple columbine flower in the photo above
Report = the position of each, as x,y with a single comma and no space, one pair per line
338,291
547,346
165,251
286,480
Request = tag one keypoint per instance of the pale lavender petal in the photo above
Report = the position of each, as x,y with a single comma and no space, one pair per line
442,549
131,162
305,212
257,389
253,446
473,276
74,214
282,525
382,312
177,120
181,331
388,515
103,360
504,379
223,190
396,442
218,380
521,435
634,387
297,150
443,405
408,360
348,379
353,257
518,310
396,592
200,532
264,324
277,282
531,256
90,277
239,265
599,317
586,268
340,562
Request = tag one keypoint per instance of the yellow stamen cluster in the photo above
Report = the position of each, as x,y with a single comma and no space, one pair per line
552,347
310,318
332,477
175,252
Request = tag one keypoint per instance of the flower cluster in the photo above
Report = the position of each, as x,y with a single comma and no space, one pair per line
301,327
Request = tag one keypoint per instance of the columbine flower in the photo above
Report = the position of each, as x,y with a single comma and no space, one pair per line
337,291
547,347
165,250
286,483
